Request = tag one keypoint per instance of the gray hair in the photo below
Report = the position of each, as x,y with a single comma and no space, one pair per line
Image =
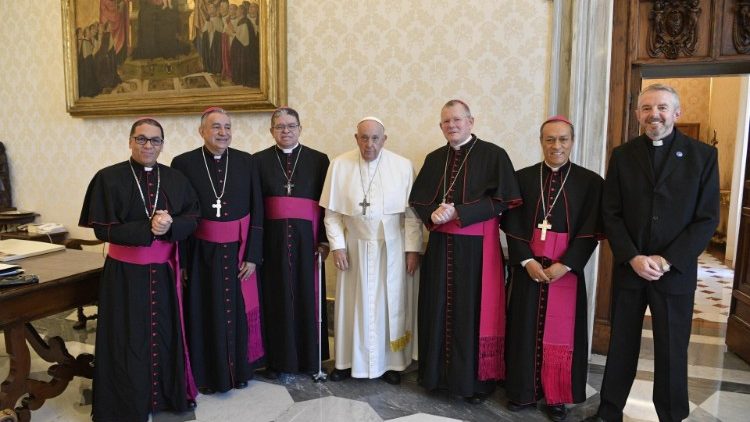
665,88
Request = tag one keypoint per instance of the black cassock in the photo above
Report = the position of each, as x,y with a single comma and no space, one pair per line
450,282
140,365
288,276
576,213
216,324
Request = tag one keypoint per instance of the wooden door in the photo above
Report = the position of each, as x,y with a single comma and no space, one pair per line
738,325
666,39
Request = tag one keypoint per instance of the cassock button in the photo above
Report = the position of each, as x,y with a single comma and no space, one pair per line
225,257
226,268
229,322
225,246
224,203
226,214
655,218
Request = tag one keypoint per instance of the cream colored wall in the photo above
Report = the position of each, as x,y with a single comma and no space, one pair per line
725,98
399,60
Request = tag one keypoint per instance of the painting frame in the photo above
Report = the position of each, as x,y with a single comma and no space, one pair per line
269,95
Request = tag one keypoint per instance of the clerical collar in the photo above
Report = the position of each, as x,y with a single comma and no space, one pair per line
139,166
663,141
457,147
287,150
555,169
209,153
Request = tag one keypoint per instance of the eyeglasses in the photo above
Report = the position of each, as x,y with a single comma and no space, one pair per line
141,140
290,126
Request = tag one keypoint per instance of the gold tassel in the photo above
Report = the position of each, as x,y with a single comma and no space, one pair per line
400,343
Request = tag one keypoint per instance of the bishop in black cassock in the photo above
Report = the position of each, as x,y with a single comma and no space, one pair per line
141,365
550,239
292,177
222,306
461,320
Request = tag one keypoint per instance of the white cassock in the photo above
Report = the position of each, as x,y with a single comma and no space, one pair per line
374,315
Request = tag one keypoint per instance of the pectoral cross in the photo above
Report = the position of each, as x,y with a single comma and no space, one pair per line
364,204
544,225
217,205
289,185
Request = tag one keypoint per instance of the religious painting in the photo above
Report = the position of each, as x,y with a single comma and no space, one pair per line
137,57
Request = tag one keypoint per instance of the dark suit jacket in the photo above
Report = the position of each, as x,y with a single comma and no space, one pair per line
674,216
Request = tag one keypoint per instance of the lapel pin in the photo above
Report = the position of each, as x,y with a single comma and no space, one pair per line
679,154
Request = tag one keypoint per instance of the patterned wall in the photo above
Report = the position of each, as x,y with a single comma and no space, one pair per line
695,96
714,103
396,59
725,100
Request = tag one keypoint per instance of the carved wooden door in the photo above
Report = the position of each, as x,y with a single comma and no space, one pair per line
665,39
738,325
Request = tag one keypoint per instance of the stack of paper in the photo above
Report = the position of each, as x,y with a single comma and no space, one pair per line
11,249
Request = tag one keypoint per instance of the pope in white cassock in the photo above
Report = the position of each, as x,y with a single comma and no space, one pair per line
375,239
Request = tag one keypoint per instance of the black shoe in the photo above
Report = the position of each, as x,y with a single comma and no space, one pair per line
391,377
191,404
558,412
206,390
269,373
240,385
340,374
517,407
477,398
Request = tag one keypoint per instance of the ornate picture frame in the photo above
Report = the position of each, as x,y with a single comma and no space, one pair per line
138,57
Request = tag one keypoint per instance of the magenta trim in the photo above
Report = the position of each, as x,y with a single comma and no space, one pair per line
237,231
559,322
161,252
492,309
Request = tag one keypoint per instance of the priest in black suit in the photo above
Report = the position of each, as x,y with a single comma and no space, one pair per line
550,240
660,208
292,177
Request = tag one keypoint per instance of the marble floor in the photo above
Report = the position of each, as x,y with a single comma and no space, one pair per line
719,383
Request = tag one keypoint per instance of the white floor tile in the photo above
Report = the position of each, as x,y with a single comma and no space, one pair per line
259,402
727,406
330,409
423,417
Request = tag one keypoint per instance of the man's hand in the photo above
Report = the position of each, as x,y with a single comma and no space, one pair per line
536,272
323,250
161,222
246,270
340,260
646,267
412,262
444,214
555,271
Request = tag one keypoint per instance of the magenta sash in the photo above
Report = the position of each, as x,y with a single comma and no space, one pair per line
283,207
492,308
559,323
160,252
237,231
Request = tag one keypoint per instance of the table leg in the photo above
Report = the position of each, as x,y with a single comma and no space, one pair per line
15,385
18,384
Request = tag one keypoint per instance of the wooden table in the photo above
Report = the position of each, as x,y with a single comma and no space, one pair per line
67,279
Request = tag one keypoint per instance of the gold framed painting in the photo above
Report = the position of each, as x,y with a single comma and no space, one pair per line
137,57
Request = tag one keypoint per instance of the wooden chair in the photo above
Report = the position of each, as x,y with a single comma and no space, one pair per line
79,244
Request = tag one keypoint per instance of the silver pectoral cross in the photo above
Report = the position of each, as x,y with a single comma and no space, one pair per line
217,205
289,186
364,204
544,225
